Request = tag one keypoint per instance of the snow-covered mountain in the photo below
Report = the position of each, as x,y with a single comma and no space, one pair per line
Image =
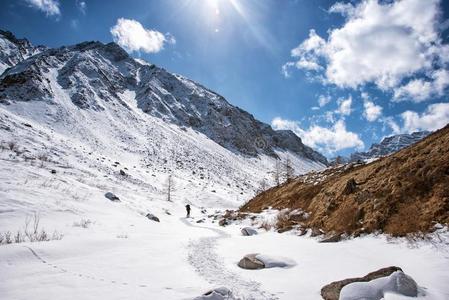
90,138
390,145
94,101
14,50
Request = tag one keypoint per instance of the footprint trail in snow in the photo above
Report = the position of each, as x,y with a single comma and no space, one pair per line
209,265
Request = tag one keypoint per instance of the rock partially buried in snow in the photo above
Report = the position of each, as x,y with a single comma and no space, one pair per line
250,262
152,217
223,222
247,231
332,290
398,283
220,293
260,261
112,197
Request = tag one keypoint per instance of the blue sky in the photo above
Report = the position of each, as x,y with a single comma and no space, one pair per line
342,75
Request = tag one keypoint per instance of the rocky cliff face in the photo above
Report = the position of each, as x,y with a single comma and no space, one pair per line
94,75
14,50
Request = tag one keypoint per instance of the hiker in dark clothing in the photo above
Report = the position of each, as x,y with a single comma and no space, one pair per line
188,210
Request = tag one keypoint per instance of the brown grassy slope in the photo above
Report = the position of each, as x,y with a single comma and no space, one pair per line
402,193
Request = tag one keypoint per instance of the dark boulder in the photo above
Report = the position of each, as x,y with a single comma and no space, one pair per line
152,217
351,186
112,197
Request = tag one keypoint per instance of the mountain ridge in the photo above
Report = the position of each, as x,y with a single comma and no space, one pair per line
171,97
389,145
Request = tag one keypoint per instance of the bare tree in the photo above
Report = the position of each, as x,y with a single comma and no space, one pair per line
169,187
288,170
277,173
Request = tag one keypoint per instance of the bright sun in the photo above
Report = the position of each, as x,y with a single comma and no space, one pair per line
217,14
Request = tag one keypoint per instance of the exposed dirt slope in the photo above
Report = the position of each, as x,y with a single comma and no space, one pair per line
403,193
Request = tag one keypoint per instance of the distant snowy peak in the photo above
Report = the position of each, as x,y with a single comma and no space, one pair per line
96,74
390,145
14,50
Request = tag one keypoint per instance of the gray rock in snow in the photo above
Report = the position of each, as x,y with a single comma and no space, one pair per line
332,290
112,197
221,293
247,231
250,262
397,283
152,217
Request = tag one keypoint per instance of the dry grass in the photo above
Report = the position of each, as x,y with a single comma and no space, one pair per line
31,233
403,193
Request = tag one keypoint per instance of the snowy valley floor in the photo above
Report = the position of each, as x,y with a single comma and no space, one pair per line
111,250
128,257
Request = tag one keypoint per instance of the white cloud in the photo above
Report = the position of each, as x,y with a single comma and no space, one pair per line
392,124
345,9
308,53
323,100
435,117
286,69
381,42
132,36
371,112
82,6
49,7
419,90
344,107
170,38
327,140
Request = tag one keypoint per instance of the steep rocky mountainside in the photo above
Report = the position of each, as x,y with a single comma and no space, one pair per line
91,72
94,108
399,194
389,145
14,50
